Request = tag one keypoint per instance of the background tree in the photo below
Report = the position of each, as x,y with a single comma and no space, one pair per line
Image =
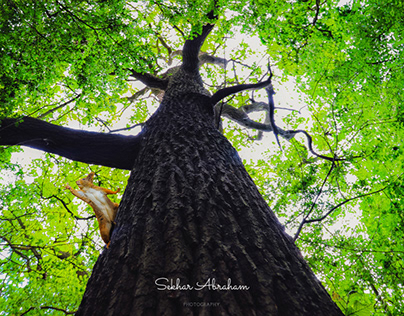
64,62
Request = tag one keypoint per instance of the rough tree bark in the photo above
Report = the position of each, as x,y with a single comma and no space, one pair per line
191,215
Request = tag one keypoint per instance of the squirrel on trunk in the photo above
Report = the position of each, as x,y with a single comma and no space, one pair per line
104,209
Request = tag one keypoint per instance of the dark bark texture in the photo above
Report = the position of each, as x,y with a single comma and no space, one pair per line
191,213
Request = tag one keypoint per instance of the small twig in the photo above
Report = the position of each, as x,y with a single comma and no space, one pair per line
58,107
67,208
271,108
313,204
342,203
306,221
49,307
103,123
126,128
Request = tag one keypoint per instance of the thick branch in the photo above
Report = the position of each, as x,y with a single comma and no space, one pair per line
150,80
204,58
109,150
225,92
190,52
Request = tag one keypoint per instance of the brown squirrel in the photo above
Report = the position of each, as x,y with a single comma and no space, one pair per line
104,209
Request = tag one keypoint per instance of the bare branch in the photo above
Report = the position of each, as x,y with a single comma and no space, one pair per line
127,128
240,116
254,107
166,46
66,207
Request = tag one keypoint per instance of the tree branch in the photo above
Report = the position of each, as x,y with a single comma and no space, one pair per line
49,307
150,80
205,58
190,51
241,117
271,110
314,203
319,219
109,150
225,92
58,107
67,208
310,145
340,204
254,107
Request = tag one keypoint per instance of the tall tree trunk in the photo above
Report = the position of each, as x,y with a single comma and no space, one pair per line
192,215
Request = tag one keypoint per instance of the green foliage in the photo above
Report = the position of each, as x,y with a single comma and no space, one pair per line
68,61
349,64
